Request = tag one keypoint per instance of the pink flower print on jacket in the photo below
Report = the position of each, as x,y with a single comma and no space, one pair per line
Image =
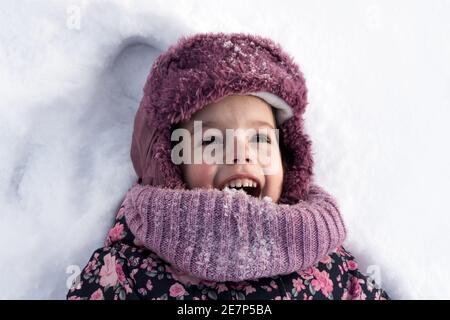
115,233
322,282
108,274
177,290
97,295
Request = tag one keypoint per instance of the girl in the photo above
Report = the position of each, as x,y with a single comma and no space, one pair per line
231,212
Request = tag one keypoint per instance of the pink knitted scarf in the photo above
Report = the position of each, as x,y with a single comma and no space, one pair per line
231,236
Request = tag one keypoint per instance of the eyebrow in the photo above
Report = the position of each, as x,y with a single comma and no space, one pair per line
213,124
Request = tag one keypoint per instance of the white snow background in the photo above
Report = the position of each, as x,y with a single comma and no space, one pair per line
71,78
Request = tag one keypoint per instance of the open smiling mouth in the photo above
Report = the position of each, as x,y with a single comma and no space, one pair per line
249,186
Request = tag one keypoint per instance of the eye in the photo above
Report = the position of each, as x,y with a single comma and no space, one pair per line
208,140
260,137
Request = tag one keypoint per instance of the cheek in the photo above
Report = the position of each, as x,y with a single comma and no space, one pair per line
274,185
269,159
199,175
274,175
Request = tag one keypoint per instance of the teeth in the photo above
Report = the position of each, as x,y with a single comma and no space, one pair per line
238,183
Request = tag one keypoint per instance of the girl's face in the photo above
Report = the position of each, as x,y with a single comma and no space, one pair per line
251,155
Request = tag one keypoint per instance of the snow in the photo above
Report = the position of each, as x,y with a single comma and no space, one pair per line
71,75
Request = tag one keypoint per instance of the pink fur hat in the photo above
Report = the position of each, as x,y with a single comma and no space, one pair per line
204,68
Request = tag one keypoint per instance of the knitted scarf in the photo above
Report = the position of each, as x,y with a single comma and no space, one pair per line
230,236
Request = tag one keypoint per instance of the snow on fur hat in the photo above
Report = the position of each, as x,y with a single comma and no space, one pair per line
204,68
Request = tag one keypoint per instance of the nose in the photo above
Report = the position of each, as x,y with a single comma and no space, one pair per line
241,152
236,160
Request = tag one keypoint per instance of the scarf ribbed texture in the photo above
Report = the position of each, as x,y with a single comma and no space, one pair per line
231,236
